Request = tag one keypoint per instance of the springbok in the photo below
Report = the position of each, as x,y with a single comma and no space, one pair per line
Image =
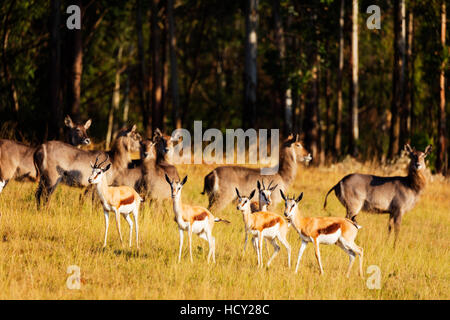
264,200
121,200
16,159
393,195
326,230
193,219
57,161
217,182
263,224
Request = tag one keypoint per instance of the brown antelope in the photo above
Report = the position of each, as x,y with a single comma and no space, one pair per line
217,182
393,195
148,175
16,159
57,161
121,200
193,219
326,230
263,224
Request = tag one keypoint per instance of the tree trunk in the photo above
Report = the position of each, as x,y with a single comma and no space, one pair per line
56,118
176,118
143,102
409,80
354,127
14,100
398,77
441,160
126,99
115,101
311,119
284,91
250,67
338,116
76,68
155,47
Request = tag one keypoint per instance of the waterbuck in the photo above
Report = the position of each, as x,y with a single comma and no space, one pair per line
148,176
219,184
393,195
16,159
57,161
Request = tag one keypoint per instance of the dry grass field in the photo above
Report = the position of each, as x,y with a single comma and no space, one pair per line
36,248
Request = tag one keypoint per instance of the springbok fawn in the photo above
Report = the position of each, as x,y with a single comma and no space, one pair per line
263,224
393,195
326,230
193,219
121,200
217,182
16,159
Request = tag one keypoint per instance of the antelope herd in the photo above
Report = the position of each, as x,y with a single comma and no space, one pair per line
122,184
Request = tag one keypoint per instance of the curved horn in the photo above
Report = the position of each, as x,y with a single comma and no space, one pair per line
106,159
268,187
264,187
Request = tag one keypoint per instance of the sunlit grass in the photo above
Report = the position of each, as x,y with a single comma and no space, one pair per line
36,247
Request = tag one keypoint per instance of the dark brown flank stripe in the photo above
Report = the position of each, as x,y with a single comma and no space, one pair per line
271,223
125,201
332,228
200,216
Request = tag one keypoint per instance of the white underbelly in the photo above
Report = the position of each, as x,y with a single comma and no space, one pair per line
330,238
269,233
199,226
127,208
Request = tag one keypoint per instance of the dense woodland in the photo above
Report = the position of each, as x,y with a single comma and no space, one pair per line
310,66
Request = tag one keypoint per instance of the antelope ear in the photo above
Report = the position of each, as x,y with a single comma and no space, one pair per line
237,193
297,137
107,167
68,122
407,148
184,180
87,124
428,150
133,128
158,132
251,194
92,166
258,185
300,197
282,195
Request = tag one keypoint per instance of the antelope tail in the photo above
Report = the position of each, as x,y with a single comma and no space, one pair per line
221,220
325,202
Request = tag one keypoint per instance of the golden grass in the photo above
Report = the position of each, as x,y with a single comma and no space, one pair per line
36,247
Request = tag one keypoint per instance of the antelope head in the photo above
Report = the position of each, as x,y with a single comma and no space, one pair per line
98,171
417,157
290,205
77,134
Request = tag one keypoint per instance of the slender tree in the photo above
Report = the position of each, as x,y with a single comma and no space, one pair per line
250,67
56,114
441,160
354,127
76,68
176,117
155,47
338,116
143,101
398,84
